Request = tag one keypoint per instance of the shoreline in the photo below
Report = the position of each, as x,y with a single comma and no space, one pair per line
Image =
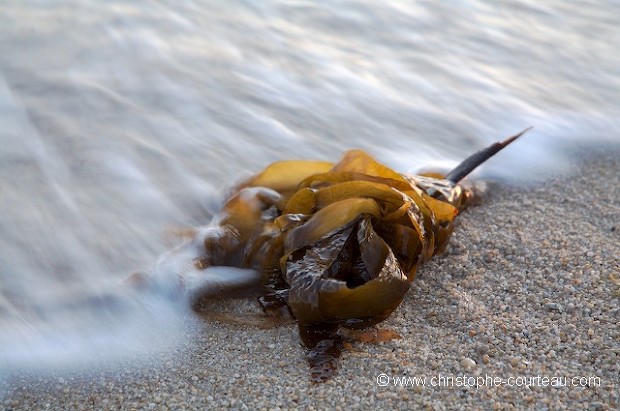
527,287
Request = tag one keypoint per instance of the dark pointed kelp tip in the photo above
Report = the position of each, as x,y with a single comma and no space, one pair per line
472,162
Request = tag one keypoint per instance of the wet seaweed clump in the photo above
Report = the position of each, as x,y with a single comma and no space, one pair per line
337,243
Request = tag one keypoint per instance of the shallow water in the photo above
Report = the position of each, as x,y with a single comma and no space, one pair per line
120,120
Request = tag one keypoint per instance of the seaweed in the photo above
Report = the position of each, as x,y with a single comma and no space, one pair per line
338,244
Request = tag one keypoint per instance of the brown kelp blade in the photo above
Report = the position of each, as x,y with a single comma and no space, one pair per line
472,162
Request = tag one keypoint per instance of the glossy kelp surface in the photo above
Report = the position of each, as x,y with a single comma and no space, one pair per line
338,243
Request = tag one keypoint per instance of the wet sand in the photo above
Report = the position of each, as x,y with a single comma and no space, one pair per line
527,292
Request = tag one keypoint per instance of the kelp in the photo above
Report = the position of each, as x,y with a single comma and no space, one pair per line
340,243
347,240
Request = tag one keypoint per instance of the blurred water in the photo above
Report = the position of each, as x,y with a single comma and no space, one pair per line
121,119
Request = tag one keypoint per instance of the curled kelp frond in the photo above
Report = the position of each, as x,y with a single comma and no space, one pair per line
339,244
349,240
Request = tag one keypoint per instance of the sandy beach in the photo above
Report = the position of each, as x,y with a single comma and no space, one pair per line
525,303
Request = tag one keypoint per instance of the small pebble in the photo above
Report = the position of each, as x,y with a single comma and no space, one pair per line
467,363
554,307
